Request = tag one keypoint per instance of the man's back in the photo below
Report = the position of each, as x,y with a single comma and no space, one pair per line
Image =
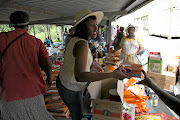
20,66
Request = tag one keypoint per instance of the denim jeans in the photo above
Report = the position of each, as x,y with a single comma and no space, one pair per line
72,99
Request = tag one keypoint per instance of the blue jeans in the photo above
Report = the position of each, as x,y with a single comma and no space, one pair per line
72,99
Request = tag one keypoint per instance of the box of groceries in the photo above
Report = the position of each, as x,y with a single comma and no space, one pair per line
132,70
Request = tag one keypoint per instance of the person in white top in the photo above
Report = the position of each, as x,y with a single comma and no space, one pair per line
131,47
109,34
75,74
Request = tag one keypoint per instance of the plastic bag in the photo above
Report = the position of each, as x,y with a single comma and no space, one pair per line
177,88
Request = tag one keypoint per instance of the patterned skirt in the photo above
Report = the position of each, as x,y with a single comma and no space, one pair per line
27,109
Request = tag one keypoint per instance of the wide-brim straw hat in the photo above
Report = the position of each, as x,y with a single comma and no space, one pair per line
133,26
85,13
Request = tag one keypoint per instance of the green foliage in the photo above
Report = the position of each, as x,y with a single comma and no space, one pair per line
5,28
41,31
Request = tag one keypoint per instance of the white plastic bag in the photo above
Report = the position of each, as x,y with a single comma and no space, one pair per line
177,88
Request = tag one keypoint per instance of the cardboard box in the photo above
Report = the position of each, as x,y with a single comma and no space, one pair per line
108,110
107,84
155,66
155,62
166,80
94,90
171,68
132,70
179,67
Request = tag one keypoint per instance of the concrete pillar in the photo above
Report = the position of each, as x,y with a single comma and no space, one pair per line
110,32
170,23
62,30
34,30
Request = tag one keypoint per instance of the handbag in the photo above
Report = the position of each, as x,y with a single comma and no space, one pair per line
10,44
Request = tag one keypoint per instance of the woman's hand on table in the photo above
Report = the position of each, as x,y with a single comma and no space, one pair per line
97,68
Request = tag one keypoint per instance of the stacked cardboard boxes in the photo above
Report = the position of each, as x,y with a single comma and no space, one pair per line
104,109
155,62
54,103
164,79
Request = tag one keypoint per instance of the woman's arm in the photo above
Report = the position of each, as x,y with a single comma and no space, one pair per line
96,68
116,49
171,101
81,55
141,49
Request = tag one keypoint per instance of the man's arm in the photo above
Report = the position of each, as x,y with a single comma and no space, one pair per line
171,101
45,64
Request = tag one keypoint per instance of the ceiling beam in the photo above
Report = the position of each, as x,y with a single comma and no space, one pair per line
71,18
26,8
139,5
4,22
128,4
115,13
52,20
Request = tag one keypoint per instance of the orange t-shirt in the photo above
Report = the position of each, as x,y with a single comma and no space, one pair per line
20,74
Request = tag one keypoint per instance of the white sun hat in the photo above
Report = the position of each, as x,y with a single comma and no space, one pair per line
130,25
83,14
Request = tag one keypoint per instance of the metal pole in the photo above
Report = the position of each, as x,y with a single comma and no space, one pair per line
62,30
44,31
170,23
110,32
34,30
50,31
57,33
47,31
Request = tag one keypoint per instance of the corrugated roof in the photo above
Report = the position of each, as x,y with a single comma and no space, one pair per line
64,11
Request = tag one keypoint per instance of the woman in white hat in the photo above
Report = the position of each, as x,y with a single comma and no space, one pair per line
131,46
75,73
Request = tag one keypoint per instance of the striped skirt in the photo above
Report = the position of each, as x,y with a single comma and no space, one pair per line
27,109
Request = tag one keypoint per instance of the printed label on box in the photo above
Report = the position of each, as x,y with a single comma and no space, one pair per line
155,66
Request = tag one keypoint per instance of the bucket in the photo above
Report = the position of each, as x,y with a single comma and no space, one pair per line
114,95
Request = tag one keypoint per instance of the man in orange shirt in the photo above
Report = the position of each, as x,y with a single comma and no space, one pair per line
21,81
